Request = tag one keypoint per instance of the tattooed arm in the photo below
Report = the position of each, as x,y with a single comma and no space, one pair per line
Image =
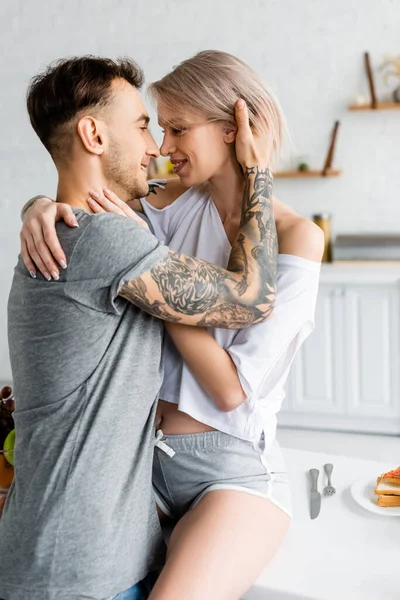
191,291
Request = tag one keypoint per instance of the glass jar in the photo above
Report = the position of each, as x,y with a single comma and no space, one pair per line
324,221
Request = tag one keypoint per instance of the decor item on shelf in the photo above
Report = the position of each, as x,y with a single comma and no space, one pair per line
371,82
303,170
393,64
364,246
303,166
329,156
375,104
324,221
360,100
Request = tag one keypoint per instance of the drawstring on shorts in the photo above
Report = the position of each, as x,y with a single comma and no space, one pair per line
163,445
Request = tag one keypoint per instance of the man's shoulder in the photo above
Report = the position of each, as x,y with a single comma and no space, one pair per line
100,223
96,228
116,231
104,244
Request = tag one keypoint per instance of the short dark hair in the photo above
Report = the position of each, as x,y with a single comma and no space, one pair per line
70,85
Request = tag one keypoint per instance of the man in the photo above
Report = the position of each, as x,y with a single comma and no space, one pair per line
80,520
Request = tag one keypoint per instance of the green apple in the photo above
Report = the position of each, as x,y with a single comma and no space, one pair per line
9,444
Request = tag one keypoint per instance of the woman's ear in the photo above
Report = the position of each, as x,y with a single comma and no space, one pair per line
90,131
229,132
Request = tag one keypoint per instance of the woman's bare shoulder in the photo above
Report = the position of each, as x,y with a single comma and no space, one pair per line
301,237
161,194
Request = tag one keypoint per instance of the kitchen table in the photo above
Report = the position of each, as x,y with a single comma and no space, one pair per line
347,552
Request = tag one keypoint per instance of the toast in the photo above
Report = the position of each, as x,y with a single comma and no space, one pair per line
386,501
388,488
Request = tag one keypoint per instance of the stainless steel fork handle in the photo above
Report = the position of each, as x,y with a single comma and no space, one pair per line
314,480
328,470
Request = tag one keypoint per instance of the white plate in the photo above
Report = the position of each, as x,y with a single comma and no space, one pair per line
363,494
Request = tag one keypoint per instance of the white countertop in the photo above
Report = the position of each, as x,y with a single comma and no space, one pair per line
347,552
354,272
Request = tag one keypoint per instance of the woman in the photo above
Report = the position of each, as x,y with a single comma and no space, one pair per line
216,420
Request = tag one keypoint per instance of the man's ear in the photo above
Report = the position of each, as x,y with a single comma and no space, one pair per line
91,132
229,133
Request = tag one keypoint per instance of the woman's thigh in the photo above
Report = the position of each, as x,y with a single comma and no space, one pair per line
220,547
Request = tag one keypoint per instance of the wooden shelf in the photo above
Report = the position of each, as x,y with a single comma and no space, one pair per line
305,174
379,106
375,104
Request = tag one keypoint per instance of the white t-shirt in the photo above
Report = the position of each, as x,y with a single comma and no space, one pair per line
262,353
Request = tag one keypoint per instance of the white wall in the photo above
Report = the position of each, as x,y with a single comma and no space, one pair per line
310,51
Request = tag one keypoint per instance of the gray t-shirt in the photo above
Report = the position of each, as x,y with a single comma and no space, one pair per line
80,520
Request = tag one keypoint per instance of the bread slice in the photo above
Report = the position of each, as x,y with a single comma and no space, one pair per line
385,488
392,477
385,500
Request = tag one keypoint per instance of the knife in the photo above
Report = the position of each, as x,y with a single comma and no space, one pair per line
315,499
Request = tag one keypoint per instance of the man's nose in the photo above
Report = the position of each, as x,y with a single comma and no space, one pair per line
153,149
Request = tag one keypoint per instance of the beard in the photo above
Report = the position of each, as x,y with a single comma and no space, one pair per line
125,179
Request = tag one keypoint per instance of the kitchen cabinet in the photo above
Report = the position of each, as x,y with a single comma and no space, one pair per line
346,375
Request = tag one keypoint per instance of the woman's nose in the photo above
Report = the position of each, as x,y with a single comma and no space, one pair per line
166,148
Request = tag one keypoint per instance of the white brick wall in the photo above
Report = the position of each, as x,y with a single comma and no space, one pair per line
310,52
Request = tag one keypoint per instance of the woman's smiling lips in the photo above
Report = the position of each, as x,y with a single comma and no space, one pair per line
178,163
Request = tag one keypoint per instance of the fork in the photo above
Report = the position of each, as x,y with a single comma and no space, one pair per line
329,490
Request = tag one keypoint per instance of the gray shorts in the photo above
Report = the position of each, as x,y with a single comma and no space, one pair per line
186,467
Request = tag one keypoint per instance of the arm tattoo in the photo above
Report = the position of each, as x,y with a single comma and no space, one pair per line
188,285
258,207
155,184
236,315
238,263
257,213
135,291
29,204
262,187
235,297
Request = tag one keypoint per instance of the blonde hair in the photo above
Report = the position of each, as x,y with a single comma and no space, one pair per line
210,83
